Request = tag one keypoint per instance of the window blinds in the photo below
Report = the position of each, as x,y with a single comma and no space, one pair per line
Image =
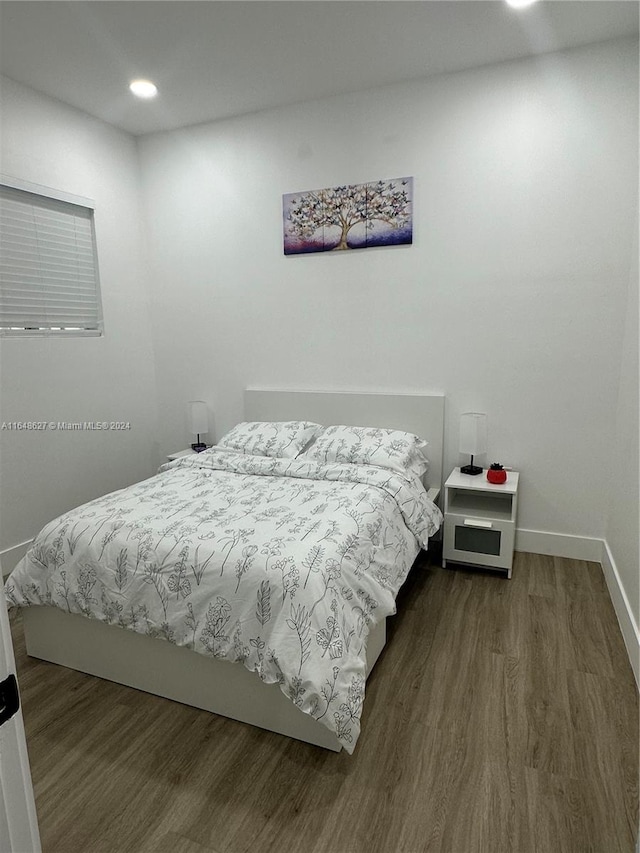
48,266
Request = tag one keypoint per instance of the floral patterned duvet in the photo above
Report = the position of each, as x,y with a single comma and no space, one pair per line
281,565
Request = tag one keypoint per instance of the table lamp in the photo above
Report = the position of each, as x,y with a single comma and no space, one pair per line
199,423
473,439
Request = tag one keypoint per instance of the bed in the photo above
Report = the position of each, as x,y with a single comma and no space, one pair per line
285,561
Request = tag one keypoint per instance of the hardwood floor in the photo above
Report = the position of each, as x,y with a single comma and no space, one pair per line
501,717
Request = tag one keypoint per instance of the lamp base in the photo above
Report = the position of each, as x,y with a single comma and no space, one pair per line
471,469
198,447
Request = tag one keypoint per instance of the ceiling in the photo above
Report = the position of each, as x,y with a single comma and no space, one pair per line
213,59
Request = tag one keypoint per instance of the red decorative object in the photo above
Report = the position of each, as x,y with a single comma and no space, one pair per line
496,474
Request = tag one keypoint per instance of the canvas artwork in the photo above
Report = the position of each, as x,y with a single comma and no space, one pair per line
357,216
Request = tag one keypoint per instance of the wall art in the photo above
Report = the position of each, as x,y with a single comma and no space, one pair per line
357,216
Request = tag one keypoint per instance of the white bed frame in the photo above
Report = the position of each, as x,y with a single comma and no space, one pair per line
163,669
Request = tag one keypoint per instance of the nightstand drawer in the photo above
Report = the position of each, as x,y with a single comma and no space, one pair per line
481,542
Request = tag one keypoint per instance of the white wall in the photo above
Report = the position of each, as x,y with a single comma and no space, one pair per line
53,379
511,300
623,504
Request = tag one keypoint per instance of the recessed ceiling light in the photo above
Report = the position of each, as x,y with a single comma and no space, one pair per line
520,4
143,88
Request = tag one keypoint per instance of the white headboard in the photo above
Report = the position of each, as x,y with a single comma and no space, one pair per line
421,414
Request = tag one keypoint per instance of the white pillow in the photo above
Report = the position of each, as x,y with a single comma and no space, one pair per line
283,439
387,448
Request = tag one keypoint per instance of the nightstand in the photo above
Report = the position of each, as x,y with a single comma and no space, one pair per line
480,521
186,452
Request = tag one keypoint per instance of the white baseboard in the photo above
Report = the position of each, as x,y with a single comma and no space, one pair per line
595,551
10,557
559,545
628,627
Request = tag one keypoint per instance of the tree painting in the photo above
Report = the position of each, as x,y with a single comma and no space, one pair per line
356,216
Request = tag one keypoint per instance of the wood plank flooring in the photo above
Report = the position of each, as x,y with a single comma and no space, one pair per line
501,717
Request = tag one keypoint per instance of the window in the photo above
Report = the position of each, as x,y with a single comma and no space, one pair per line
48,264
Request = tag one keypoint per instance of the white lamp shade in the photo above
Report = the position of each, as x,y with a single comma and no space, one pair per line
198,417
473,433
